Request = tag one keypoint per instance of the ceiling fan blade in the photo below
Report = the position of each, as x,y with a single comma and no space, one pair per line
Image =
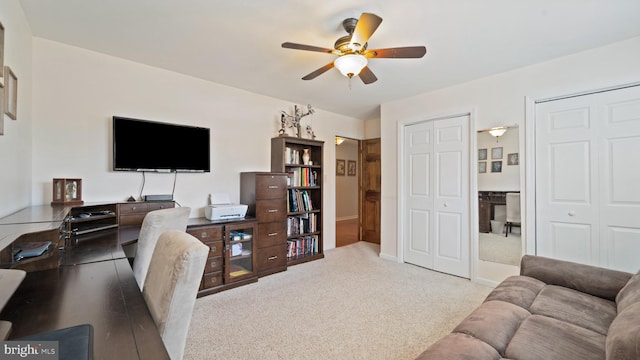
318,72
409,52
367,76
366,26
289,45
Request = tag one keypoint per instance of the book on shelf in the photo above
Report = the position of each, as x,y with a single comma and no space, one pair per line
299,200
301,224
302,177
305,245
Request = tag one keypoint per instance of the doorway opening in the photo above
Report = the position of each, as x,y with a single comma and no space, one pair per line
347,191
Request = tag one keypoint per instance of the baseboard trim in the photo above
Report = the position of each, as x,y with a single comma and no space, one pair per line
344,218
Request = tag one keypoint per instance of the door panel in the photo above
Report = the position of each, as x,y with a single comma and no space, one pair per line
371,190
435,195
587,176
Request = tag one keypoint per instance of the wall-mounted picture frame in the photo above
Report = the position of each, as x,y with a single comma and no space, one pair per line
482,154
10,93
1,109
496,166
496,153
482,167
351,167
340,167
1,50
513,159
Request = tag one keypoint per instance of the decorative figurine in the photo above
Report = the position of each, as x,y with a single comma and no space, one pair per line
293,121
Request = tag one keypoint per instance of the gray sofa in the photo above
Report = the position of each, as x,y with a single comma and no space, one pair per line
553,310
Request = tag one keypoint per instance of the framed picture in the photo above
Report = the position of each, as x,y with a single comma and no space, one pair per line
513,159
482,154
351,167
482,167
1,109
496,153
340,165
496,166
10,93
1,49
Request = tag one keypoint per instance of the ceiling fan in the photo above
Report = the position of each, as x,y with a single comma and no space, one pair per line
352,50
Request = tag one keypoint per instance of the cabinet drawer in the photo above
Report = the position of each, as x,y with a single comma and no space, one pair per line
207,234
272,257
215,248
271,210
211,280
161,205
270,234
132,219
133,208
271,186
213,264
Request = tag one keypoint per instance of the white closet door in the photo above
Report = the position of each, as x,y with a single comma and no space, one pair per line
587,176
436,195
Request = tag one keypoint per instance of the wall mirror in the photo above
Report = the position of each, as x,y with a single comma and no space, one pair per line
499,241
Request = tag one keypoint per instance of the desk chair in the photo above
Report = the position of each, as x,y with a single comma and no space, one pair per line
155,223
10,279
513,212
171,286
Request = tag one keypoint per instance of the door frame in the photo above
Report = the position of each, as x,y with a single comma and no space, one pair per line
529,226
473,183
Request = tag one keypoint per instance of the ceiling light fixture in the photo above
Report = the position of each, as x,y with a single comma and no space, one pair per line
497,131
350,65
339,140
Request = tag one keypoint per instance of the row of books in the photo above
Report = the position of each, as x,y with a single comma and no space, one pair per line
299,200
292,156
303,224
302,177
306,245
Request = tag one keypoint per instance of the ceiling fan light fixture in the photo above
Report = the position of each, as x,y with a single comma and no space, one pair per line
350,65
498,131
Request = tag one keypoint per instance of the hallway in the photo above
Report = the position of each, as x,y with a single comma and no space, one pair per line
347,232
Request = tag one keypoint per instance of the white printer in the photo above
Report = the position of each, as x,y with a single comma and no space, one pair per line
222,209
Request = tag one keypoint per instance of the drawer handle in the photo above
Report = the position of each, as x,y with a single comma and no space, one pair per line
273,186
203,235
272,234
213,280
272,257
213,248
272,210
214,263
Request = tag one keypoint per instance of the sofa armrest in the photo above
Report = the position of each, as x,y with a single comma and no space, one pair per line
597,281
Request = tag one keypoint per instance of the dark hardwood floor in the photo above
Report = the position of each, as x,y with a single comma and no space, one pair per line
347,232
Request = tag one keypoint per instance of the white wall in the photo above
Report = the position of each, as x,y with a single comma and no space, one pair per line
77,91
15,144
347,186
495,98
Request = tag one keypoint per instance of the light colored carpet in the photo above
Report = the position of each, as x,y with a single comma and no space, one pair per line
350,305
500,249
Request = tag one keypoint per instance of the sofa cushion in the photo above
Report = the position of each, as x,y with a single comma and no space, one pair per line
541,337
517,290
629,294
457,346
588,311
494,322
623,340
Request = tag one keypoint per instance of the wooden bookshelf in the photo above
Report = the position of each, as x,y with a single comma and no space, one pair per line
304,195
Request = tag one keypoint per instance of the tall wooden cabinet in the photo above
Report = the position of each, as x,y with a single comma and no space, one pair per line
266,193
302,160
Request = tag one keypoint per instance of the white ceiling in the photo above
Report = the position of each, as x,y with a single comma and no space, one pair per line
237,42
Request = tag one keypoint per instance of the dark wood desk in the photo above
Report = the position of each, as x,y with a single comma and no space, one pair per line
487,201
93,285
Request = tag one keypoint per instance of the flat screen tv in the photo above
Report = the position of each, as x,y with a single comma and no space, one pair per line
142,145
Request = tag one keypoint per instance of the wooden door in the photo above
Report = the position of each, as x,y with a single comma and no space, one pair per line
587,173
370,190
